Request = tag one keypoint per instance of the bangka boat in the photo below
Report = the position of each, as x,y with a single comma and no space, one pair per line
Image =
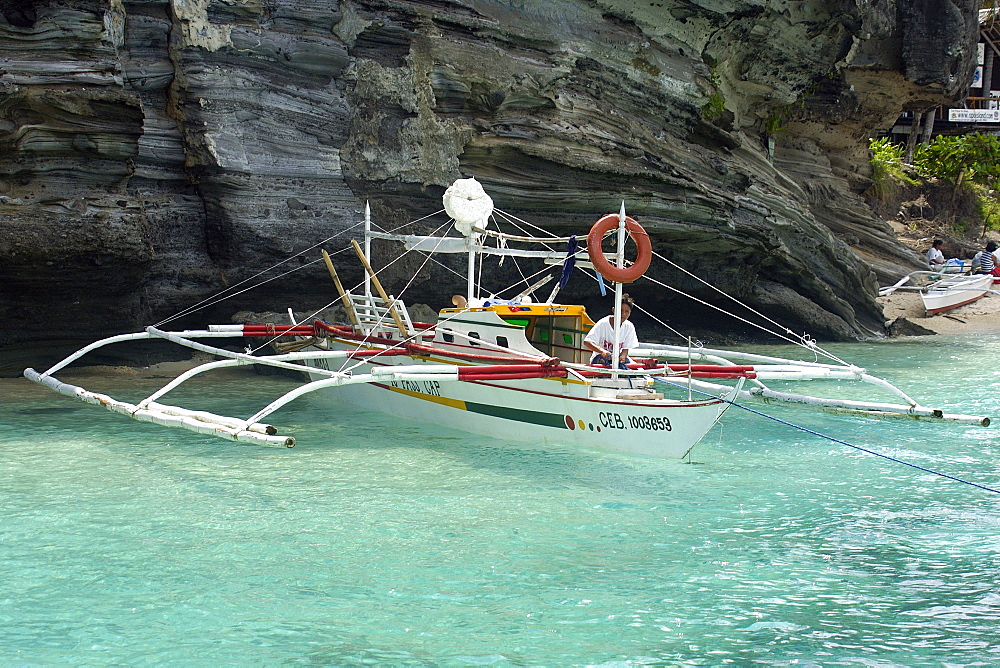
952,292
510,366
945,293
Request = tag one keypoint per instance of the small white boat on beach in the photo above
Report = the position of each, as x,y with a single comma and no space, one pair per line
954,291
944,293
515,366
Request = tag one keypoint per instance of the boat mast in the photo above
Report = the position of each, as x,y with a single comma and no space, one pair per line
368,248
620,261
471,279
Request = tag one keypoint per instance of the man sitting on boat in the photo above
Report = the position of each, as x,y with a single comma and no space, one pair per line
601,338
987,261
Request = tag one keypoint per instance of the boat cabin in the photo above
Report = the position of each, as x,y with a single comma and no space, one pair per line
555,330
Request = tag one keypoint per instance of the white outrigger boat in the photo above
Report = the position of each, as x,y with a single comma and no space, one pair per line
944,293
513,368
954,291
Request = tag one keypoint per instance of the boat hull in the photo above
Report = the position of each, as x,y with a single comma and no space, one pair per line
949,294
542,410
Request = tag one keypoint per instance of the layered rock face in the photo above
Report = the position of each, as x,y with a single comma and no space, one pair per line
155,152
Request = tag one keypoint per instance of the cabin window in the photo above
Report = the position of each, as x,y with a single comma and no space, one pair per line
502,342
448,338
472,337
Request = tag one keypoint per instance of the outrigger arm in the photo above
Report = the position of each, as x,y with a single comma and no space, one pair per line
780,369
252,429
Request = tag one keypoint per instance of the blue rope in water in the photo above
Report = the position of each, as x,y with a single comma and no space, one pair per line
831,438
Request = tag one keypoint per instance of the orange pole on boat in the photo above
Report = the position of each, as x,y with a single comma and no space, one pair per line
348,304
273,328
339,330
381,292
599,372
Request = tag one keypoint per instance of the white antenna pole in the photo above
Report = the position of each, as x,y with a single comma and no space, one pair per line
471,280
620,262
368,248
689,368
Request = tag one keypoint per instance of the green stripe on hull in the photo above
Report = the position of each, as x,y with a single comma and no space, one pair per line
518,415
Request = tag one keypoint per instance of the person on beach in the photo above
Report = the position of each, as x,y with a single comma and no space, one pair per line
935,258
600,339
988,261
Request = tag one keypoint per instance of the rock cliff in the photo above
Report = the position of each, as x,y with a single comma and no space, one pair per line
153,152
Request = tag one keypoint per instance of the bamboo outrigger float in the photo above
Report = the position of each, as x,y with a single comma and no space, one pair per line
514,368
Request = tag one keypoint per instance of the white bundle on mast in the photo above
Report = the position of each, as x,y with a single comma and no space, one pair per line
470,207
468,204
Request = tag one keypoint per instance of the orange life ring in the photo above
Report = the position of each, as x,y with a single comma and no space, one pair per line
644,249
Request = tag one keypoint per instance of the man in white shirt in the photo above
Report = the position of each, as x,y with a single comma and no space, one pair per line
935,258
601,338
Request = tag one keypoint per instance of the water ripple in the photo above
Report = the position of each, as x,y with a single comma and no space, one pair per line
377,541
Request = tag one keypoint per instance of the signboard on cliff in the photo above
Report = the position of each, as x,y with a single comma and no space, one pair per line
974,115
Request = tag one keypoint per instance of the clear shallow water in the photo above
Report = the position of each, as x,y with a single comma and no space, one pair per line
378,541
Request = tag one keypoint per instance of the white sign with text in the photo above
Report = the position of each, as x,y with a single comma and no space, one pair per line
974,115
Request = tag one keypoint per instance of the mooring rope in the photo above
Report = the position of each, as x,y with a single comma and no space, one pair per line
834,439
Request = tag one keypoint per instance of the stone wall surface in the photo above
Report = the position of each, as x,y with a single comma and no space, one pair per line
153,152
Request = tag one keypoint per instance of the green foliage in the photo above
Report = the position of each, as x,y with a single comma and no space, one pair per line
773,124
887,168
776,121
971,161
973,157
715,108
989,207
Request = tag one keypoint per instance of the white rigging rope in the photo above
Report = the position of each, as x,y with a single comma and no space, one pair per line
720,310
382,318
796,339
511,218
389,306
221,296
661,322
780,331
519,224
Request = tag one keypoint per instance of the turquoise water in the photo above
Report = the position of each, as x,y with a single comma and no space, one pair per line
377,541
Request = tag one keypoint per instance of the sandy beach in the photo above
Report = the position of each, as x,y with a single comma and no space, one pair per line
980,316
